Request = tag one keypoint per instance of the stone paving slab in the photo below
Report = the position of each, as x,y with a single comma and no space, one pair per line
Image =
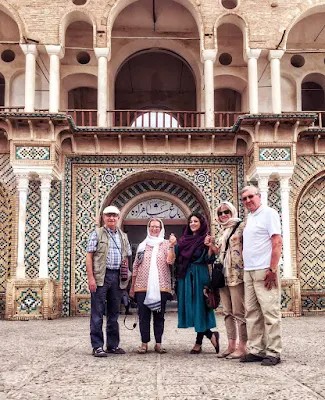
52,360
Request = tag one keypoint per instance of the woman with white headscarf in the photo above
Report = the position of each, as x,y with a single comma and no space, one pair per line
232,295
151,282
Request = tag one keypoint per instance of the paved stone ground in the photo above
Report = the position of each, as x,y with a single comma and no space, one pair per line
52,360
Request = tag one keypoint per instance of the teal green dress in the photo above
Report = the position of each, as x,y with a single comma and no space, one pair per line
192,311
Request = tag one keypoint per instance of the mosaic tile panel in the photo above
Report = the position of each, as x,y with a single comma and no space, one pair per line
274,196
313,302
85,212
161,186
275,154
32,153
33,230
7,176
29,301
5,239
106,180
54,237
311,251
201,177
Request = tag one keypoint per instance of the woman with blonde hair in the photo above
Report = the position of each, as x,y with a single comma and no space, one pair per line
229,247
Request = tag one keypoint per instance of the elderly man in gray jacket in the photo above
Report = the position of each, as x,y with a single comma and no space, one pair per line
108,249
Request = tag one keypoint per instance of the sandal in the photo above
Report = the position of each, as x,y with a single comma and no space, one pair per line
160,350
142,350
216,335
224,354
194,351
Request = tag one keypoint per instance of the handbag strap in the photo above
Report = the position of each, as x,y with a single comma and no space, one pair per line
115,243
232,232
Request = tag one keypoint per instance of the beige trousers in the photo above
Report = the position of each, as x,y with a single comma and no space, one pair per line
232,300
263,314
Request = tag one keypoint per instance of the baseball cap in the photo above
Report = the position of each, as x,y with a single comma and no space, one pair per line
111,210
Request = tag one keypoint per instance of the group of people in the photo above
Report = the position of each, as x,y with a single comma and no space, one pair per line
249,251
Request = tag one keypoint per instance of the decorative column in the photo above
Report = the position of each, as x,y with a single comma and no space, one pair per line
285,191
55,53
22,187
45,199
274,58
252,56
263,185
30,51
209,58
103,55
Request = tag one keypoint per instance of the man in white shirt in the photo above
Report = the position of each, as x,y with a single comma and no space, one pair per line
262,245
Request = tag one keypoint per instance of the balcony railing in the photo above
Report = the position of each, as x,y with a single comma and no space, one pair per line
156,118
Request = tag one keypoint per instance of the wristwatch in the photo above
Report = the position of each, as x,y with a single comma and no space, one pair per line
273,270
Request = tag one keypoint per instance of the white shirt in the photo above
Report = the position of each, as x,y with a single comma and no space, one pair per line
260,227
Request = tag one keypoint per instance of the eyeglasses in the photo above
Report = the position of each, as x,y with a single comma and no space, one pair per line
250,196
111,215
223,212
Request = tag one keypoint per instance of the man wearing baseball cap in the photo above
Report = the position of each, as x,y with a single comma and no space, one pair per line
107,249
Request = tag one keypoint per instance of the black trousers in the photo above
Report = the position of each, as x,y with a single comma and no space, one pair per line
145,317
111,293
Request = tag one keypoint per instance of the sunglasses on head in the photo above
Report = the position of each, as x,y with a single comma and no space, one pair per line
250,196
224,212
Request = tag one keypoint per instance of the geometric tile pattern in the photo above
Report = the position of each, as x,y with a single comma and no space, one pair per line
7,191
32,153
85,212
274,196
29,301
88,182
161,186
5,244
33,230
275,154
54,235
201,177
7,176
311,250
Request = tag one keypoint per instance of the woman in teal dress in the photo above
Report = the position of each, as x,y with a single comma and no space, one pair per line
192,257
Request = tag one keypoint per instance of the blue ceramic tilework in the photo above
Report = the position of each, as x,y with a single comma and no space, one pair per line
33,230
54,238
107,178
32,153
275,154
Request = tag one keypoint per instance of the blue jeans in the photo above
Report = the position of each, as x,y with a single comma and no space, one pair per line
111,292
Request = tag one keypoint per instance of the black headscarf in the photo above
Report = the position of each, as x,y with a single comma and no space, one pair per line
188,243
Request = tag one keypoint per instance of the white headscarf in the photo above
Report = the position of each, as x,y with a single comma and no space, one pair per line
226,229
153,296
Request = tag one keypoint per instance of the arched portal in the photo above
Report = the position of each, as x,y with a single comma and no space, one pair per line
312,92
311,246
155,79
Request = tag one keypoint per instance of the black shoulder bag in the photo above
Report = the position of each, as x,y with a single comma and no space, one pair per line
217,276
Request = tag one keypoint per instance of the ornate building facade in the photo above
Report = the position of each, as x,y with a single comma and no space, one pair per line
160,107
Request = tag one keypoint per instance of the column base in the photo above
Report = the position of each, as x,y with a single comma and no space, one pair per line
32,299
290,297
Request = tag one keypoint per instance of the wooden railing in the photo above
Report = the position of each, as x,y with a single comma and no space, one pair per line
83,117
155,119
226,119
320,120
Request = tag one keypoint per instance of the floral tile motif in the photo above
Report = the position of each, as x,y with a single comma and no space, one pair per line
29,301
